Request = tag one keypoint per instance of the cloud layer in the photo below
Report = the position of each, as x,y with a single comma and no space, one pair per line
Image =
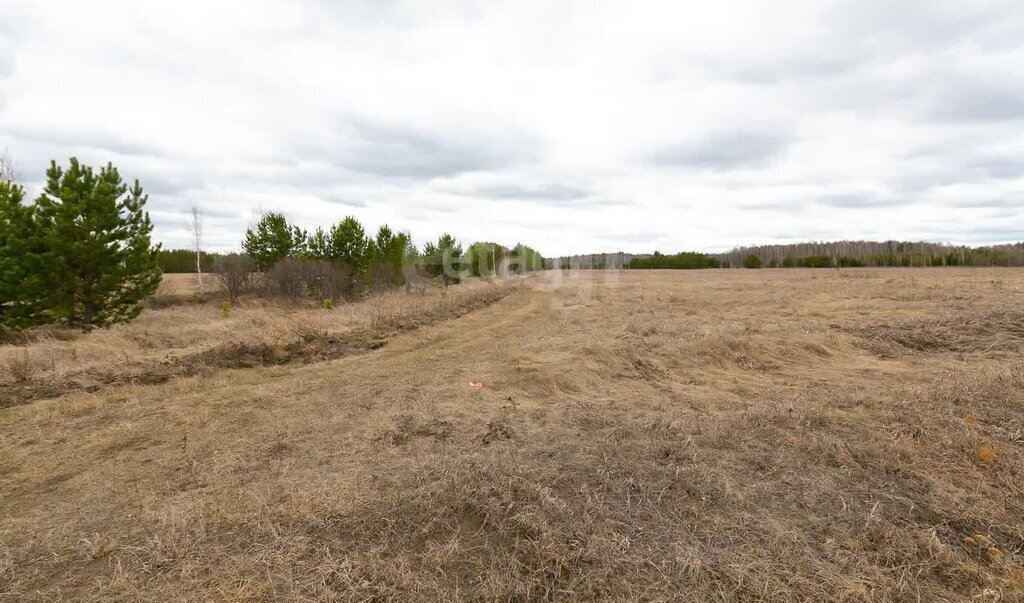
573,127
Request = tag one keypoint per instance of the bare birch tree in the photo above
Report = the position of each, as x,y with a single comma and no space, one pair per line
197,240
7,172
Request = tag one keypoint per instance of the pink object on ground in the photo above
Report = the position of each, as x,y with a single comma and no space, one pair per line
476,385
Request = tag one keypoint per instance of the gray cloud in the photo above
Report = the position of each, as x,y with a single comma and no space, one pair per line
975,99
556,193
70,141
777,206
391,151
584,126
345,201
722,151
999,168
1014,201
858,200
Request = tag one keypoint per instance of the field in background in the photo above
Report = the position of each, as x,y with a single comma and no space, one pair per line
186,284
773,435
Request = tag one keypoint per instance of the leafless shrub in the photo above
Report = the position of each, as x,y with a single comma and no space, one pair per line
416,278
328,280
287,278
7,170
235,272
385,276
386,319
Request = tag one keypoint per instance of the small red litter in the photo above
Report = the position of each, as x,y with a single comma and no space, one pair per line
476,385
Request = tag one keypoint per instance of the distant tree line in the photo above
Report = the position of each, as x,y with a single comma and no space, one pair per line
839,254
686,260
852,254
184,260
591,261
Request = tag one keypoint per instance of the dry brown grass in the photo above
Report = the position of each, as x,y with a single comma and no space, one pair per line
743,435
192,338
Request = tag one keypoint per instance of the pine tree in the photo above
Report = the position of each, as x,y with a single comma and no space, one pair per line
318,245
387,253
389,247
484,258
349,244
272,240
101,262
21,262
444,259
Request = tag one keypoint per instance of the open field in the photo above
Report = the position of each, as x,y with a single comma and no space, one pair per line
186,284
852,435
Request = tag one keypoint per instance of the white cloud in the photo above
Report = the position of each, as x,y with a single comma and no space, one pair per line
577,126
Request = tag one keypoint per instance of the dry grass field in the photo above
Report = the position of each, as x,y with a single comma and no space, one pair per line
777,435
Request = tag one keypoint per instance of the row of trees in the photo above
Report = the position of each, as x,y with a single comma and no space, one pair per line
839,254
343,261
184,260
489,259
80,253
377,260
843,254
686,260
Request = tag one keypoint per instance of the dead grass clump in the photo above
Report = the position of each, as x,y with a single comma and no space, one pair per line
19,367
406,427
468,529
497,429
170,300
725,351
400,313
974,330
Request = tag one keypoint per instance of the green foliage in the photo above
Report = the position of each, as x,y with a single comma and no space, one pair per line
348,244
816,261
184,260
21,261
752,261
225,308
318,245
387,253
444,259
272,240
527,259
328,303
686,260
892,254
390,247
484,259
101,262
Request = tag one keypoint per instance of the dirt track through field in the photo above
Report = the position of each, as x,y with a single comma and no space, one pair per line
638,437
307,346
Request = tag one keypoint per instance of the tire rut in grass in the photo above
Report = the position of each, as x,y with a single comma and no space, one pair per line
308,348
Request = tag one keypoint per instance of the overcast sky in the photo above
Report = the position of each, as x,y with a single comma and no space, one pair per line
569,126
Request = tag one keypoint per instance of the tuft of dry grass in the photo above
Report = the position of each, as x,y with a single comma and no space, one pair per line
735,436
